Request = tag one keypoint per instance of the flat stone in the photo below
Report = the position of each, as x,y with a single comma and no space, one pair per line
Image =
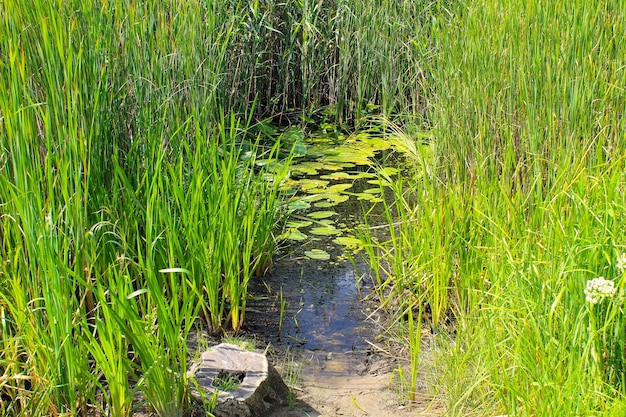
261,389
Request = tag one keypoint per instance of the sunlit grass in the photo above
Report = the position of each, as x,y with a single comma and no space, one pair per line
520,207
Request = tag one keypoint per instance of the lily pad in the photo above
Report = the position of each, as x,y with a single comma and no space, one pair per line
303,170
321,214
295,224
342,175
350,156
378,143
317,254
348,241
337,176
314,167
346,164
319,191
331,200
309,185
364,196
299,205
294,234
336,197
325,231
289,185
315,197
382,182
337,188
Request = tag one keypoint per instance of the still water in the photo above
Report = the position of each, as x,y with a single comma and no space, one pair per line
313,299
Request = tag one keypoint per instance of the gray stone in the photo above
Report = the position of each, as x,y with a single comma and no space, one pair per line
261,389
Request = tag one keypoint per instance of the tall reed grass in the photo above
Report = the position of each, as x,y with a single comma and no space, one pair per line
521,208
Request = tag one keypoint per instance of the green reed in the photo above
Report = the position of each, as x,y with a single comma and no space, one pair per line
521,206
540,165
130,205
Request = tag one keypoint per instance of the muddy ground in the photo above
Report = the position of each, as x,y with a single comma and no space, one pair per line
367,389
345,367
353,383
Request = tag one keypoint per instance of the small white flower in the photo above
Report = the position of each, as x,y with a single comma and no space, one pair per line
621,262
599,288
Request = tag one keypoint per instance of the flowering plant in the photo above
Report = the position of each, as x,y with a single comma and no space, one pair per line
598,289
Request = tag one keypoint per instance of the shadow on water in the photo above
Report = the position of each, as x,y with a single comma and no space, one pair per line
324,317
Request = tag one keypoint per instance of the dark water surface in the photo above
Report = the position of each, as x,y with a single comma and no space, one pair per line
323,313
324,319
323,307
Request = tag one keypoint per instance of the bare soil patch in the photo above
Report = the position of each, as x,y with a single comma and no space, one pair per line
354,385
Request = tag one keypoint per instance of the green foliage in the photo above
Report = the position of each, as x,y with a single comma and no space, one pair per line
135,198
130,205
519,206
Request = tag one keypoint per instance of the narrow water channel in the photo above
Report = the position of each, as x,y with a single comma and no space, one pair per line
324,316
315,305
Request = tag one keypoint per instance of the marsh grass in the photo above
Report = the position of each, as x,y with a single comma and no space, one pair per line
541,166
521,205
290,369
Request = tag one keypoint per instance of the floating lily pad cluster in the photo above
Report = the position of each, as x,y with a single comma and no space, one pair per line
322,177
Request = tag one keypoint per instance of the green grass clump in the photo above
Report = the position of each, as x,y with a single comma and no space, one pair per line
517,206
128,208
